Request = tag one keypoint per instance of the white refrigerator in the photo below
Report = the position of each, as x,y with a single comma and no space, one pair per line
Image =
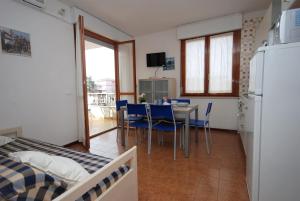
273,124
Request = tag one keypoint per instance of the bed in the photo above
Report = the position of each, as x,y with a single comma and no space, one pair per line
109,180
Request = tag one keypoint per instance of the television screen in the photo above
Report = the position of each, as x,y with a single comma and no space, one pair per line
156,59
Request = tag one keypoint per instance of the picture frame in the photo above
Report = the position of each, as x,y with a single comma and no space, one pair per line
170,63
15,42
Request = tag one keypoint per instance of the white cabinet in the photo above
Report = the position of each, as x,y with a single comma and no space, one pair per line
157,88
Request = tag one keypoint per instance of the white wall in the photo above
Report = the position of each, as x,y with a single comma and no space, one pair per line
210,26
224,109
94,24
38,92
263,29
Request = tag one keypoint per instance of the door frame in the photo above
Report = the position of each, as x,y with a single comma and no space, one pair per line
86,32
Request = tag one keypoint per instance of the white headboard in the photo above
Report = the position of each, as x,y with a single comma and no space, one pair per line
11,132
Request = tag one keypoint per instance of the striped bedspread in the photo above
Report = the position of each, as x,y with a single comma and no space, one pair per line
21,182
90,162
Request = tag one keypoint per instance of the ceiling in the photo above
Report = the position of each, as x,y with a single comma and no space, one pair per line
140,17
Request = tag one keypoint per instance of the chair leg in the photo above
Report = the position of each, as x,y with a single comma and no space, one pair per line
206,139
180,138
136,136
149,140
126,138
197,134
158,137
117,139
210,136
175,145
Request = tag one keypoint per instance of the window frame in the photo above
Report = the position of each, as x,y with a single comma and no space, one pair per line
235,65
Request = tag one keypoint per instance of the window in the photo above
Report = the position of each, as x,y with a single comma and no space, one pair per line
210,65
195,51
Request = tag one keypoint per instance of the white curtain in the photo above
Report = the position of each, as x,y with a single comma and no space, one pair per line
220,72
126,67
80,108
194,79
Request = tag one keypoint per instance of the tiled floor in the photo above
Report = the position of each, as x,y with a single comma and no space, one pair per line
202,177
99,125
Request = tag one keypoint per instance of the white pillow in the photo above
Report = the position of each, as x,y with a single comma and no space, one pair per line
67,169
37,159
63,168
5,140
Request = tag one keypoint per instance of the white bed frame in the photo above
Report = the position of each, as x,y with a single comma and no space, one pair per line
126,188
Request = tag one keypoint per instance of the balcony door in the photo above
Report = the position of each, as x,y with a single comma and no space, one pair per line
108,75
100,84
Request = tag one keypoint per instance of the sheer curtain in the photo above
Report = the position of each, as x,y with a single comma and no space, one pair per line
220,71
126,68
194,79
126,72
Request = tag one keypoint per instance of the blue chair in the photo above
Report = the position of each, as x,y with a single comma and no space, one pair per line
137,118
168,124
121,103
204,124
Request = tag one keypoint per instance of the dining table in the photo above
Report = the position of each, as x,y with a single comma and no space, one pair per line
184,111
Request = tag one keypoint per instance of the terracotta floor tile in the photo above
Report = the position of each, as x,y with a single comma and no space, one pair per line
229,191
219,176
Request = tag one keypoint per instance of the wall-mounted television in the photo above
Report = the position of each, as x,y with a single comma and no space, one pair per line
156,59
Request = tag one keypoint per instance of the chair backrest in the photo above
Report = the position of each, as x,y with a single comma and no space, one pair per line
208,110
136,109
162,112
120,103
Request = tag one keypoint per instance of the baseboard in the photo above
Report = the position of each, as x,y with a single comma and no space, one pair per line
222,129
101,133
71,143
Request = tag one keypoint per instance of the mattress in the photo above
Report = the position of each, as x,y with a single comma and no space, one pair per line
90,162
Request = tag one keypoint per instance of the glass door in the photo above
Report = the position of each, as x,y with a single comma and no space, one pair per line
101,85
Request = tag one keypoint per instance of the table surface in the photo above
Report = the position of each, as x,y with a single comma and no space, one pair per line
185,109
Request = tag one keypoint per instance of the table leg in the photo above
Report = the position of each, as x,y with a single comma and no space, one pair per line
197,129
122,129
187,136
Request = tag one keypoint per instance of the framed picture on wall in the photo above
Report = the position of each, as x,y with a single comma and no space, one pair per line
15,42
170,63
